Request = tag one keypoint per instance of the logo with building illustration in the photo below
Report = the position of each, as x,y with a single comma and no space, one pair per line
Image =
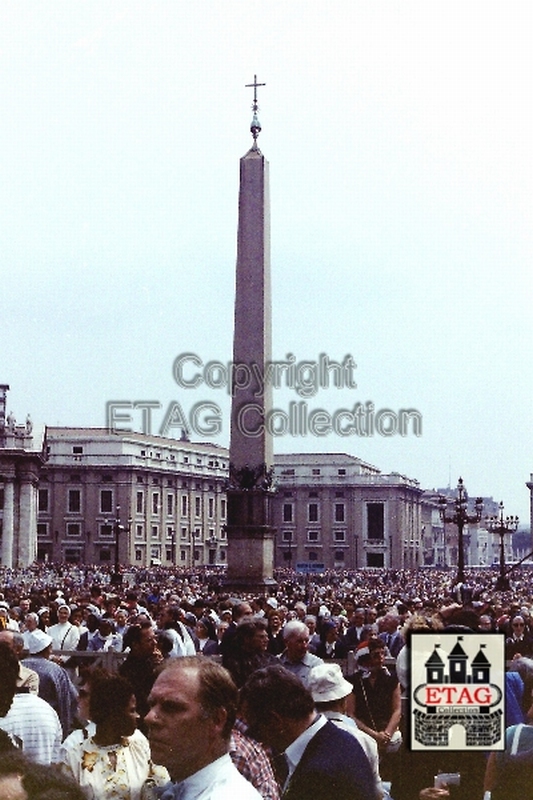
457,691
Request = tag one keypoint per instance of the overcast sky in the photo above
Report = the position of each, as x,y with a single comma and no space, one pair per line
399,140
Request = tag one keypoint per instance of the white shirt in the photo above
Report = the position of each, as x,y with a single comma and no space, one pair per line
35,722
220,780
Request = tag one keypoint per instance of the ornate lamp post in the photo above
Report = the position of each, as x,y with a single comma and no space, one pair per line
460,517
501,526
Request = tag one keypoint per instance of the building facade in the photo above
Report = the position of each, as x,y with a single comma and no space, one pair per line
142,500
336,510
21,456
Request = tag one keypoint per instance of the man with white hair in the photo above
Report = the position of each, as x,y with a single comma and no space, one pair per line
296,657
330,692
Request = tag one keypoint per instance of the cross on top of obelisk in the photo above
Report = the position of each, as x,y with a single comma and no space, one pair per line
255,127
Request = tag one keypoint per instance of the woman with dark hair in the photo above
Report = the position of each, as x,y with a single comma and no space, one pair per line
114,762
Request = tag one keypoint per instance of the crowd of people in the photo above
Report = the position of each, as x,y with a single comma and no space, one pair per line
293,692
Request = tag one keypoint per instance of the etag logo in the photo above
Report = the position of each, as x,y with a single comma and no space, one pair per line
457,691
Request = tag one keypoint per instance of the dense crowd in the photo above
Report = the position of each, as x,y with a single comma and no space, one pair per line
99,727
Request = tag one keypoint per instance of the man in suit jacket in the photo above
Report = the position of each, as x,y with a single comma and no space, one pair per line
320,760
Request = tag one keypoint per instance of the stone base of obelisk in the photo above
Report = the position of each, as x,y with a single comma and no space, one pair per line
250,542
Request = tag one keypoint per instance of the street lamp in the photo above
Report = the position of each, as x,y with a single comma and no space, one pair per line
118,528
501,526
460,517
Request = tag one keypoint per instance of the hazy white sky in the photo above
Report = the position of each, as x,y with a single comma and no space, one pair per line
399,140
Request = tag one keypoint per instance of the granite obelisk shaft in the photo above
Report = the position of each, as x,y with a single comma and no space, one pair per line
250,535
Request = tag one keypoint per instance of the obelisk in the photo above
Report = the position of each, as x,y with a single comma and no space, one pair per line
250,534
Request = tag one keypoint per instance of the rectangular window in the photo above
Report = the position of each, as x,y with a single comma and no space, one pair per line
73,529
339,555
184,533
184,506
106,531
223,509
375,521
106,501
312,512
155,532
287,536
139,532
287,512
197,506
211,508
375,559
43,499
312,536
339,512
170,505
155,503
340,536
42,530
140,502
74,501
138,555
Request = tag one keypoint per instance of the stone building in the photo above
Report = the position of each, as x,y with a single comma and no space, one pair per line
21,456
337,510
162,499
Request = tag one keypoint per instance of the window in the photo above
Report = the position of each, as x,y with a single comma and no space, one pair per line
184,533
312,512
313,556
139,532
197,506
74,501
106,531
155,503
197,533
287,512
211,508
223,509
375,560
138,555
339,555
184,506
73,529
42,530
316,472
375,521
287,536
140,502
312,536
170,505
43,499
183,555
342,472
339,536
339,512
106,501
155,532
77,450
